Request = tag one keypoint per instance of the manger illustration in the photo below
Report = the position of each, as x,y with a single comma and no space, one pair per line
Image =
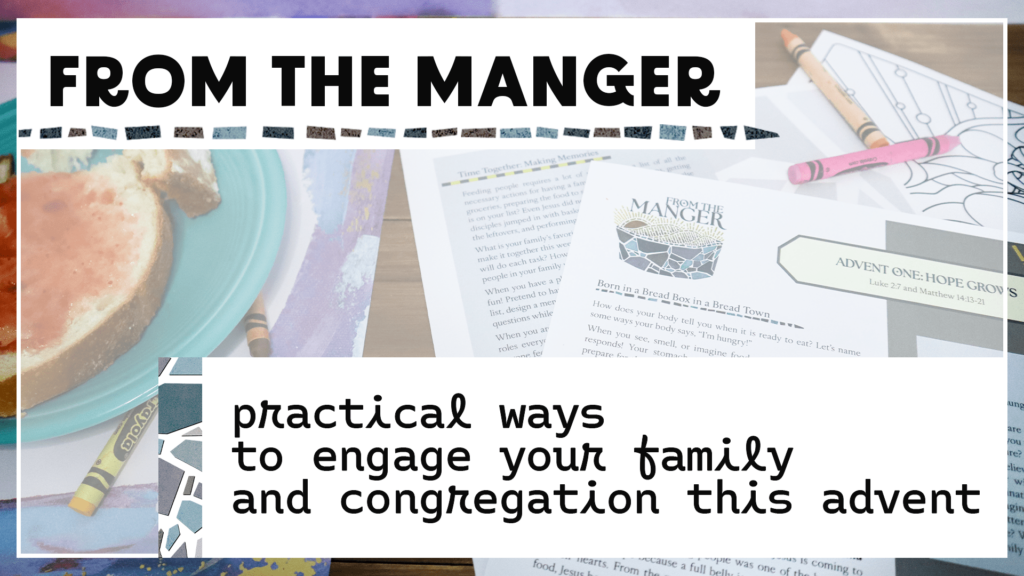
667,246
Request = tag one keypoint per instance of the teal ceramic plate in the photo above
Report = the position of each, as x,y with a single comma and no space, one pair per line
8,131
221,261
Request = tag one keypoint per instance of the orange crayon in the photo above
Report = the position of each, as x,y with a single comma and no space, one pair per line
861,123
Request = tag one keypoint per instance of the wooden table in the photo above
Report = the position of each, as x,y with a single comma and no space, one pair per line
398,324
402,566
962,51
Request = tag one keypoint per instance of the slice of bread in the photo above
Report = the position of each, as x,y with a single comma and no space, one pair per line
185,176
58,160
97,252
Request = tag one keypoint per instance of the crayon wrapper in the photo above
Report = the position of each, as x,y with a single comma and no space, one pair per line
108,465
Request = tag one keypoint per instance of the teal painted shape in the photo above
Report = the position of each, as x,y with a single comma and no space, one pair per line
160,447
188,367
181,406
101,132
191,515
757,134
543,132
190,452
672,132
172,536
229,133
8,132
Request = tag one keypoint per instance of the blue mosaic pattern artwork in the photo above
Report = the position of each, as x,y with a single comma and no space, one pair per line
142,132
229,133
666,246
187,367
190,452
672,132
547,133
641,132
665,132
283,132
515,133
758,134
191,515
172,536
181,407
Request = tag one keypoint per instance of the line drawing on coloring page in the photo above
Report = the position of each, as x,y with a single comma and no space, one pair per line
908,101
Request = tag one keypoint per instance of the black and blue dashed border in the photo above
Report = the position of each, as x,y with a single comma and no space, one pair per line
663,132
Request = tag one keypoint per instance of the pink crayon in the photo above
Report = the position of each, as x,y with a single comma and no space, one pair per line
873,158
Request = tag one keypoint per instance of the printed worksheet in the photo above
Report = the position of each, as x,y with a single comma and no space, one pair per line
493,228
687,566
674,266
1013,563
909,101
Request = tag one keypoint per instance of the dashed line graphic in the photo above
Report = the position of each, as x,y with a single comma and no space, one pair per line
523,171
701,308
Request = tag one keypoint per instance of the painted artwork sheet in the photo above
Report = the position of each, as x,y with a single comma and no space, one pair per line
10,565
318,293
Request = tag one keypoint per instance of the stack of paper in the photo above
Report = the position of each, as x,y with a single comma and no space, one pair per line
610,253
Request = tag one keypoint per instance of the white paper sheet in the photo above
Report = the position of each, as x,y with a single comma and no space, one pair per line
892,81
667,265
687,566
908,101
444,217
